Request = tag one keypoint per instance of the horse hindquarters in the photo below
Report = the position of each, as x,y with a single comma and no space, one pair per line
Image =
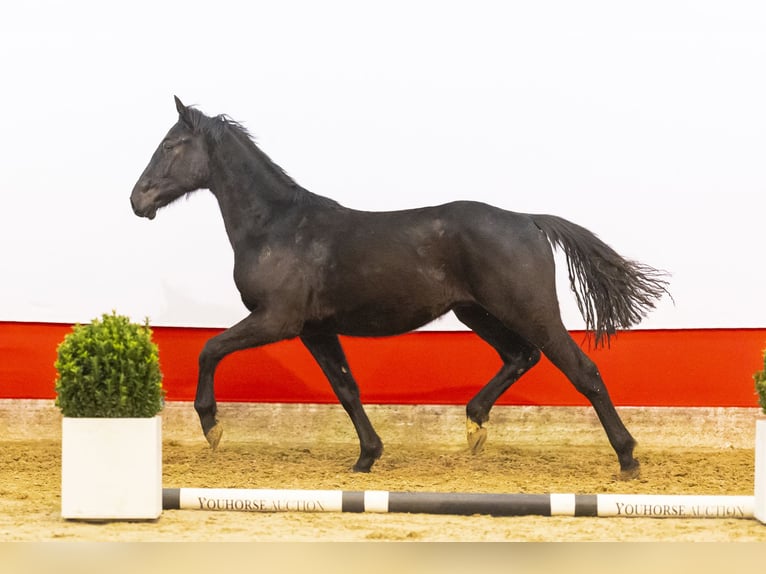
520,352
519,347
518,288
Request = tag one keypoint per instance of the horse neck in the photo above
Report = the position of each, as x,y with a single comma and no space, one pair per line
249,188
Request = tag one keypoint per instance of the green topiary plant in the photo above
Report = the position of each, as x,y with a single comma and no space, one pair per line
109,368
760,385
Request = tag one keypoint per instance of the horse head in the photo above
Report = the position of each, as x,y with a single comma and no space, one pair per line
178,166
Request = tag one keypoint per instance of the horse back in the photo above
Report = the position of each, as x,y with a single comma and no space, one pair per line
391,272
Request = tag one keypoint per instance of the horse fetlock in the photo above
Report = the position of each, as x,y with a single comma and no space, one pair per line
630,468
368,458
477,413
214,435
476,435
364,464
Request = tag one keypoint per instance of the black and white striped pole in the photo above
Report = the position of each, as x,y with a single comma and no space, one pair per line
625,505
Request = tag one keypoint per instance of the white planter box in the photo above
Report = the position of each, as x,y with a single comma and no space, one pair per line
111,468
760,469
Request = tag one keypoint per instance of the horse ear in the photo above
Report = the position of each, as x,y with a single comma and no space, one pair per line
183,111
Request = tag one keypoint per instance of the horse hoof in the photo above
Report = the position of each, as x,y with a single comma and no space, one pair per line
476,436
214,435
631,473
365,462
363,465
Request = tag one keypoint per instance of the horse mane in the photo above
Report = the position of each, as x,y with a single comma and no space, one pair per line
216,127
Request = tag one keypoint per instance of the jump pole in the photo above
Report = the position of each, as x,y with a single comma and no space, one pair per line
623,505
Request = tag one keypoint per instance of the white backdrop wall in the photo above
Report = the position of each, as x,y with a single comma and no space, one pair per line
645,122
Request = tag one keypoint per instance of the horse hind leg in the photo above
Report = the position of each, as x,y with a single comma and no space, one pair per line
518,357
328,352
570,359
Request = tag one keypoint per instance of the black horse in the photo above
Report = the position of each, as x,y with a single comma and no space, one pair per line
308,267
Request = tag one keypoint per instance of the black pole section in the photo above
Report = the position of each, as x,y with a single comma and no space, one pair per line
352,501
470,503
171,498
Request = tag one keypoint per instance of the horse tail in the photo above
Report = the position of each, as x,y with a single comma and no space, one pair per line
612,292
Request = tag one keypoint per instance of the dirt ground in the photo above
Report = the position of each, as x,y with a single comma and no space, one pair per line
530,450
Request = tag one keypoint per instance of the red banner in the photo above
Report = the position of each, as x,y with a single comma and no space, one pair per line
697,367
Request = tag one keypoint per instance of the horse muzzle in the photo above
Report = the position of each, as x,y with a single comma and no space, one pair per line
142,201
147,210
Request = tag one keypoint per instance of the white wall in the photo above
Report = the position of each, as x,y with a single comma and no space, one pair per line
645,122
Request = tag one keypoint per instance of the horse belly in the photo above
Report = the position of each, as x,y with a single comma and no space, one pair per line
382,322
382,310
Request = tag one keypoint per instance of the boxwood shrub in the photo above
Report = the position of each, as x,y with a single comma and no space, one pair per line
109,368
760,385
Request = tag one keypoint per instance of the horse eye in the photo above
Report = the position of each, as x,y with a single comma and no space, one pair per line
167,145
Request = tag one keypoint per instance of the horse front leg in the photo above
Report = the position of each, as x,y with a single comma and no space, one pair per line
253,331
328,352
